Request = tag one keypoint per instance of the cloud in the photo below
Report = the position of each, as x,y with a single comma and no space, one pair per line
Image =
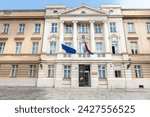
134,3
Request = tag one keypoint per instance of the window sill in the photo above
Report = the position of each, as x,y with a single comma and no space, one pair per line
66,78
131,32
53,32
20,33
36,33
4,33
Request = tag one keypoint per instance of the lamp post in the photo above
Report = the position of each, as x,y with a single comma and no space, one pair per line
128,66
40,63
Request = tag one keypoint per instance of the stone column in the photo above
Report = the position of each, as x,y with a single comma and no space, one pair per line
92,34
61,35
75,33
106,35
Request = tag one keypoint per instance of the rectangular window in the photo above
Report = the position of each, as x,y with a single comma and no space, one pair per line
113,27
18,47
21,28
99,47
83,28
54,28
117,71
13,72
101,71
148,27
2,46
37,28
67,71
131,27
82,47
134,47
97,28
51,71
115,49
138,71
6,28
35,48
52,47
68,28
32,70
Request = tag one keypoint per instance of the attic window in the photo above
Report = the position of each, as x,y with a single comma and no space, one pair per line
55,11
83,12
111,11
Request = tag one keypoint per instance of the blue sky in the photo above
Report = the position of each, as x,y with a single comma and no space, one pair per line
40,4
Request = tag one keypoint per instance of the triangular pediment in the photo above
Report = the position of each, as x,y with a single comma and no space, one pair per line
84,10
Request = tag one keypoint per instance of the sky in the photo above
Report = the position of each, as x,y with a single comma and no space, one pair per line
41,4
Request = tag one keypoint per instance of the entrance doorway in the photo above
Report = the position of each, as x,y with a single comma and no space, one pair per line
84,76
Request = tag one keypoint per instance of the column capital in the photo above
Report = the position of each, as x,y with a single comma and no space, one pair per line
75,21
91,21
61,21
105,21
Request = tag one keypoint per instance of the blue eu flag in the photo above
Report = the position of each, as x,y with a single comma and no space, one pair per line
68,49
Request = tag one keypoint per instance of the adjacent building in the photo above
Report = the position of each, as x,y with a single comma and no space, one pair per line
31,53
21,34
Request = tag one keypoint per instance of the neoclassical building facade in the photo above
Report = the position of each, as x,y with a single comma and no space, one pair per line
117,38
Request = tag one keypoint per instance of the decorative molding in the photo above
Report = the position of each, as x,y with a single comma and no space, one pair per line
53,37
132,38
19,38
3,38
83,37
35,38
114,37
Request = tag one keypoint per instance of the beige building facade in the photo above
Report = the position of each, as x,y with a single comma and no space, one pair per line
20,46
31,51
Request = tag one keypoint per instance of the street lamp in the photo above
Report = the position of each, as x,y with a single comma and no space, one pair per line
40,63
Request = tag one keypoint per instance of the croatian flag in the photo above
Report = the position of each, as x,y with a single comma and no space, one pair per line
68,49
87,49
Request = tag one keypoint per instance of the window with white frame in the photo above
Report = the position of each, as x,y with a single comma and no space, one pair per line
51,71
82,47
117,69
68,28
54,27
18,47
97,28
99,47
115,48
83,28
13,72
6,28
67,71
138,71
21,28
52,47
68,44
102,71
32,70
2,46
131,27
35,48
113,27
134,47
37,28
148,27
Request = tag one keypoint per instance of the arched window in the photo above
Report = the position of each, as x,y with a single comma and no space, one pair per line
55,11
83,12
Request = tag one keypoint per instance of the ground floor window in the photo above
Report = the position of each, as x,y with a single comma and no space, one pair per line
13,72
32,71
67,71
51,71
138,71
117,69
102,71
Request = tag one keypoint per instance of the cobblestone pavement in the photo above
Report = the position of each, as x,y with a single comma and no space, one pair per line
35,93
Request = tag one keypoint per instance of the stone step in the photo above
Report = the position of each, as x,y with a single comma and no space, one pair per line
102,82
